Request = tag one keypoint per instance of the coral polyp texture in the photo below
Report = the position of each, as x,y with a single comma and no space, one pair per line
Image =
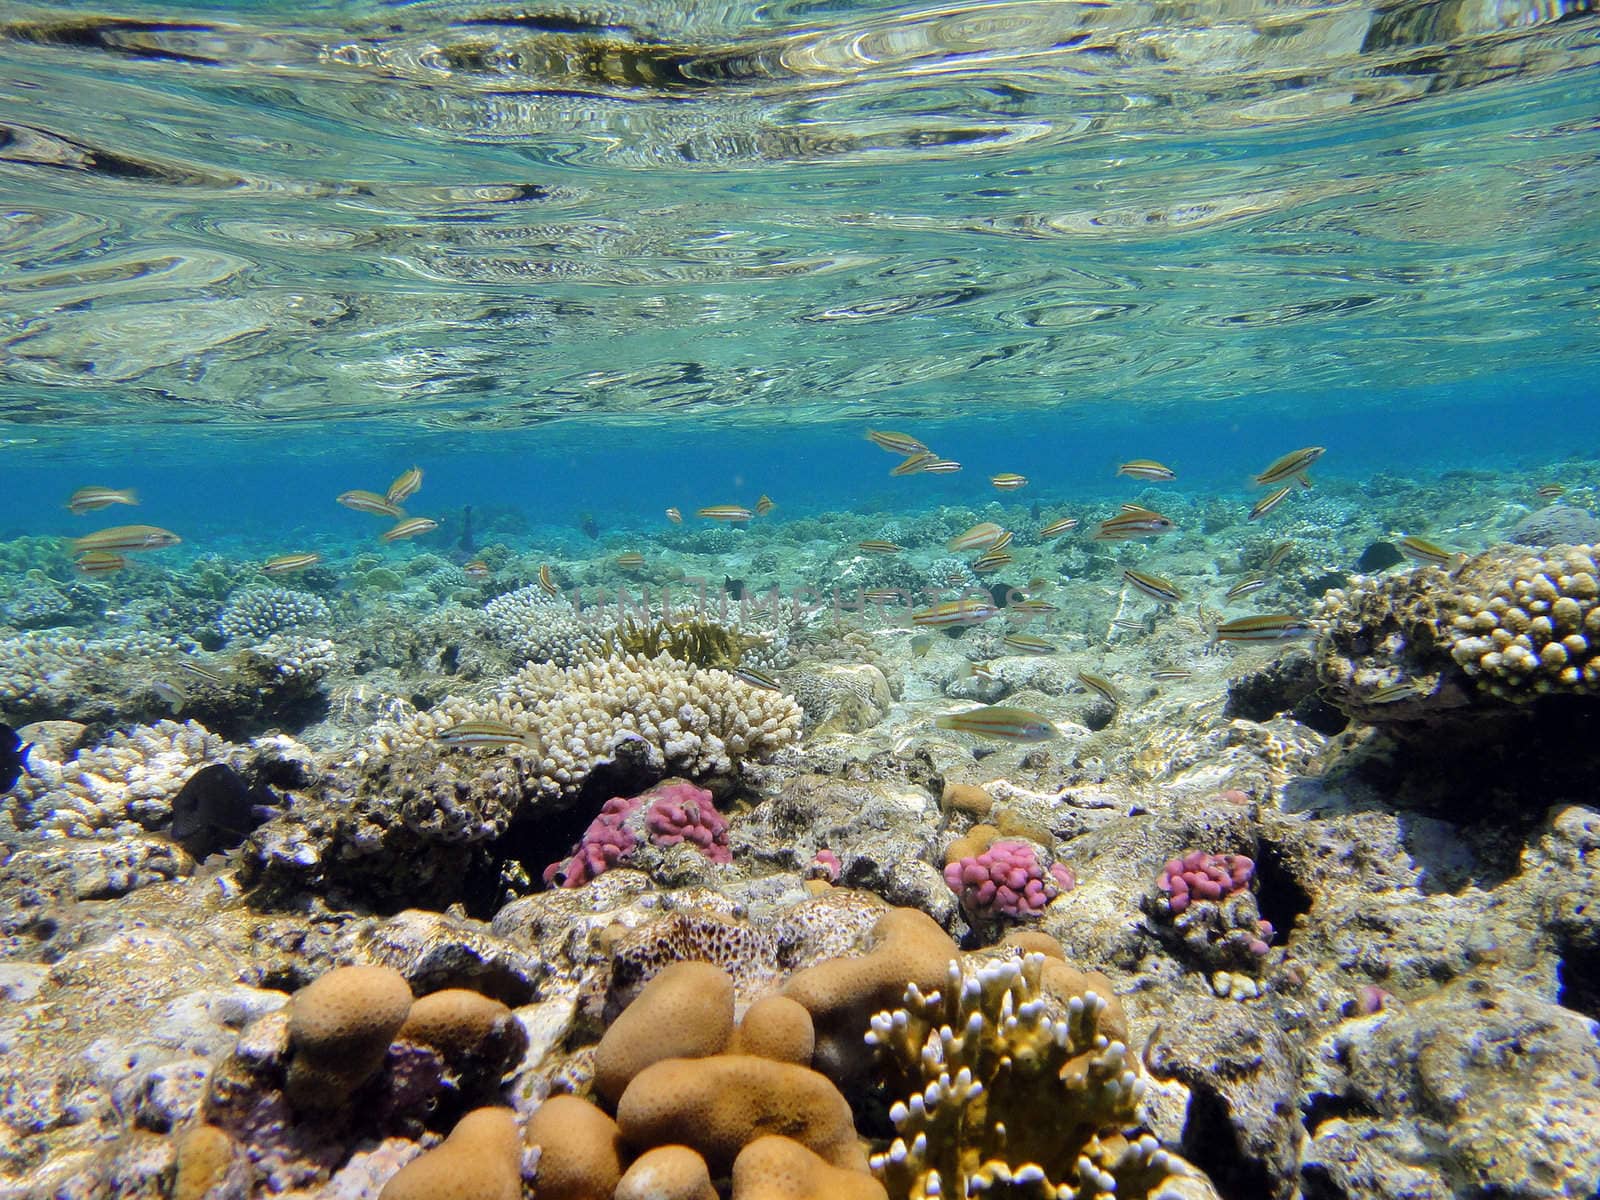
1007,879
1206,904
540,628
1202,876
1530,625
1014,1078
257,613
668,815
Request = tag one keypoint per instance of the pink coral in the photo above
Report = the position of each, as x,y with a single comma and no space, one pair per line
666,815
825,864
1201,876
1007,879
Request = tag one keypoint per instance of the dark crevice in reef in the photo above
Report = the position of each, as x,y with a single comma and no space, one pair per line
1211,1143
1324,1107
1280,897
1579,977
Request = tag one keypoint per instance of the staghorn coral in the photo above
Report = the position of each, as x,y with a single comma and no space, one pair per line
45,675
257,613
540,628
1000,1095
132,776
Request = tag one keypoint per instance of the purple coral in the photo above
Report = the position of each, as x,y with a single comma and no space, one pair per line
825,864
666,815
1201,876
1007,879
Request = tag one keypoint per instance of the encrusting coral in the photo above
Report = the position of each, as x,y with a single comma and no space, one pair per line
1015,1078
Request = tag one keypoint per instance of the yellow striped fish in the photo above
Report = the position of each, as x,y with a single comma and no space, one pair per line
997,721
288,564
1148,469
1278,553
941,466
989,561
1009,481
982,536
724,512
1550,491
630,560
1057,528
955,612
476,569
1291,467
369,502
1269,502
409,528
1174,675
99,562
1423,551
404,487
1271,627
480,733
674,516
1027,610
1245,586
879,547
127,537
89,499
547,583
914,464
764,505
1132,522
885,596
1162,590
1024,643
1101,686
902,444
757,679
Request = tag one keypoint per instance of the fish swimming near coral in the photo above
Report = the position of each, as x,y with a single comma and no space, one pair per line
409,528
1147,469
126,537
405,486
998,721
369,502
216,810
13,757
1291,467
90,499
902,444
288,564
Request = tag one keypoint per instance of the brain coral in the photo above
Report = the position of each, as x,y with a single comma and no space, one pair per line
257,613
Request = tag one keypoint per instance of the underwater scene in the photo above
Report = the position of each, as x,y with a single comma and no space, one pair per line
800,600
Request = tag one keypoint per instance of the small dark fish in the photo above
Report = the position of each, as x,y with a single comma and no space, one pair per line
216,810
13,757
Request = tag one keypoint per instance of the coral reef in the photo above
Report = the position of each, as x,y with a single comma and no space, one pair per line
256,613
1005,879
540,628
1017,1072
669,814
1205,901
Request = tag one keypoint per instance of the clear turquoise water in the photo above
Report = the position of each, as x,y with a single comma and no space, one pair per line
608,259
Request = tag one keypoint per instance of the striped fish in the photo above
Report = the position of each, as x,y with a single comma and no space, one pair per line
1423,551
674,516
1132,522
1278,553
369,502
126,537
885,596
1291,467
724,512
1147,468
955,612
879,547
409,528
1245,586
1024,643
405,486
902,444
89,499
1162,590
630,560
996,721
200,672
481,733
974,670
547,583
990,560
1173,676
941,466
1269,502
99,562
288,564
982,536
1549,491
1027,610
476,569
1101,686
1008,481
757,679
1271,627
915,463
1057,528
764,505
